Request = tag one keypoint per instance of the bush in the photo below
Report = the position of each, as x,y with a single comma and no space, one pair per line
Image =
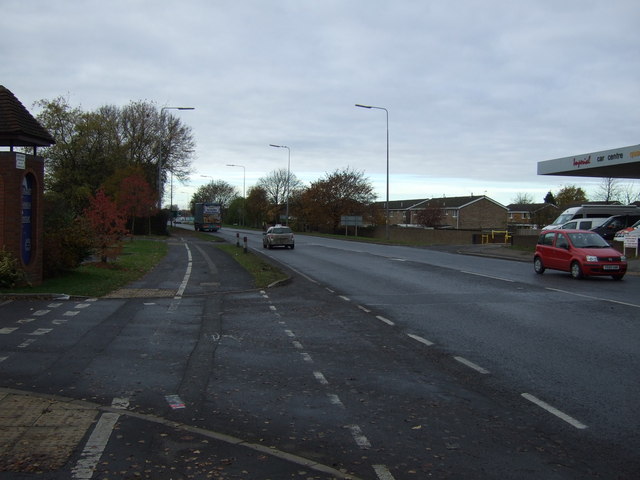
11,274
66,247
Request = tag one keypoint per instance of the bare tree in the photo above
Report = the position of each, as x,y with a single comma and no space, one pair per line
523,198
609,190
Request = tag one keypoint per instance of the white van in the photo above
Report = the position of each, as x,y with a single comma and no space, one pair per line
592,211
584,223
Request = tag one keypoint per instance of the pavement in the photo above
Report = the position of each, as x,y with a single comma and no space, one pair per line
51,437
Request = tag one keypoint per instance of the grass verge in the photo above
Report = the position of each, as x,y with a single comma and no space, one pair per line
264,274
95,279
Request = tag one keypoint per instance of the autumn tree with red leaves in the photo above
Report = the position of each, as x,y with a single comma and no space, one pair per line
136,198
107,223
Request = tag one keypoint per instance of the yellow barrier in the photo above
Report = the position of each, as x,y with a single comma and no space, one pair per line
485,236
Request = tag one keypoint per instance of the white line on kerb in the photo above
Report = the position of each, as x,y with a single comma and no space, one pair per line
382,472
554,411
420,339
469,364
95,447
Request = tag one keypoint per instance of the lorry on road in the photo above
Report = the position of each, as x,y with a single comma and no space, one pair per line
208,217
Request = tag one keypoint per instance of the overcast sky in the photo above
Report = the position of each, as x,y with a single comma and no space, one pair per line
478,92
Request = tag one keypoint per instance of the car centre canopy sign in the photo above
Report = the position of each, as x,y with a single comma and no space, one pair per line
617,163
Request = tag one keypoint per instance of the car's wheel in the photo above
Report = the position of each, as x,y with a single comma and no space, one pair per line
576,270
269,246
617,277
264,245
538,266
292,245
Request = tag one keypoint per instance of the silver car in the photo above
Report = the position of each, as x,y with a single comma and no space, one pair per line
278,236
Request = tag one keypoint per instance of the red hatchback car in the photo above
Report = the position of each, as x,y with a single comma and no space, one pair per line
579,252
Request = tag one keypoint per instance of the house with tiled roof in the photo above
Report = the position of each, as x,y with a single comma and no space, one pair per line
531,215
469,212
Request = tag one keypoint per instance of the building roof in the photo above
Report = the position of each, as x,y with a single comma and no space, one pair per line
18,128
529,207
458,202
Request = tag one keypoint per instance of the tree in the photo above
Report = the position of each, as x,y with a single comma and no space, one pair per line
92,146
609,190
217,191
107,223
523,198
549,198
257,207
275,185
430,217
345,192
570,195
136,198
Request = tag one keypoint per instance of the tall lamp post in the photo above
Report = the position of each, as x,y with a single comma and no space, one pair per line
387,204
244,177
160,159
288,176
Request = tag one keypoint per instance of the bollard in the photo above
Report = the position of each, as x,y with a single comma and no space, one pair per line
238,240
245,244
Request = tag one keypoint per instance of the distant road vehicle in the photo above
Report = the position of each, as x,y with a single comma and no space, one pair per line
584,223
208,217
579,252
278,236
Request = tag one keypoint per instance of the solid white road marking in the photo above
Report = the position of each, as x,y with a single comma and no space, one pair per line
26,343
7,330
95,447
358,436
420,339
382,472
39,313
306,357
554,411
346,299
385,320
487,276
297,345
590,297
469,364
71,313
364,309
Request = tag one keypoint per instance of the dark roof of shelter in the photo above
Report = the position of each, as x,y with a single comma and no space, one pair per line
18,128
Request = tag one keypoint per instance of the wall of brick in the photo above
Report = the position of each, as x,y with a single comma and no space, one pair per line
11,178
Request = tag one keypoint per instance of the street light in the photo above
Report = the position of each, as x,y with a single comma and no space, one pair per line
244,177
387,205
288,176
160,189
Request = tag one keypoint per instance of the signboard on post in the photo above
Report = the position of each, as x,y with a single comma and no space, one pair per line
631,241
351,221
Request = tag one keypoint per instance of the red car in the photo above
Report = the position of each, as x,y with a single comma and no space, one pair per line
579,252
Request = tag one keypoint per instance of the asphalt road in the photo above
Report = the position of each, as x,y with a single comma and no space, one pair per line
372,362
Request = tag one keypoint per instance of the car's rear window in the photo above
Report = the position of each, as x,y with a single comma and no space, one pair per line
282,230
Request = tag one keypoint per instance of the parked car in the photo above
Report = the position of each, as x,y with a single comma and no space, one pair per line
579,252
278,236
615,223
620,234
